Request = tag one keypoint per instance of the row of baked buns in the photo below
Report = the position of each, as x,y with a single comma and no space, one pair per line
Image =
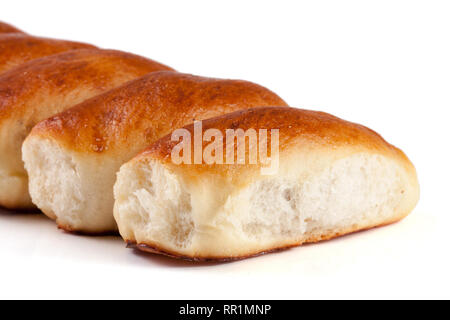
87,136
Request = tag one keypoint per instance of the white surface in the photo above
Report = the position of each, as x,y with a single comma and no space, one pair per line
385,64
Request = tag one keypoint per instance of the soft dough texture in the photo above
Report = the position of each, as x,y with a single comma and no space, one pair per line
43,87
17,48
7,28
72,158
334,177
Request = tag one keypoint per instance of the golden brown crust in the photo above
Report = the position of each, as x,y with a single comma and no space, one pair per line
42,87
309,142
7,28
153,248
141,111
297,128
17,48
35,84
321,127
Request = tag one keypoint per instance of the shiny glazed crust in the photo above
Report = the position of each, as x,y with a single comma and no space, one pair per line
304,135
298,128
7,28
17,48
143,110
102,133
43,87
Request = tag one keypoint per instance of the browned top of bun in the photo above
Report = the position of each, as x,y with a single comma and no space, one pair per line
141,111
57,82
17,48
299,129
7,28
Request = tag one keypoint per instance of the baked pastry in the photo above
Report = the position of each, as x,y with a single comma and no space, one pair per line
17,48
332,177
72,158
43,87
7,28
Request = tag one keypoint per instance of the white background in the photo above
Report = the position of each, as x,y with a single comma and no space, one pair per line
385,64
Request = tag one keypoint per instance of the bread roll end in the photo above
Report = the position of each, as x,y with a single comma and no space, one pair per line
159,211
61,185
334,177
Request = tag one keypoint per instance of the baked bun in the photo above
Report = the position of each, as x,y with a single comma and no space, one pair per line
7,28
17,48
73,157
43,87
333,177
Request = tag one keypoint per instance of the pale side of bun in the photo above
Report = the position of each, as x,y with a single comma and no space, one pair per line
334,177
43,87
17,48
7,28
72,158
